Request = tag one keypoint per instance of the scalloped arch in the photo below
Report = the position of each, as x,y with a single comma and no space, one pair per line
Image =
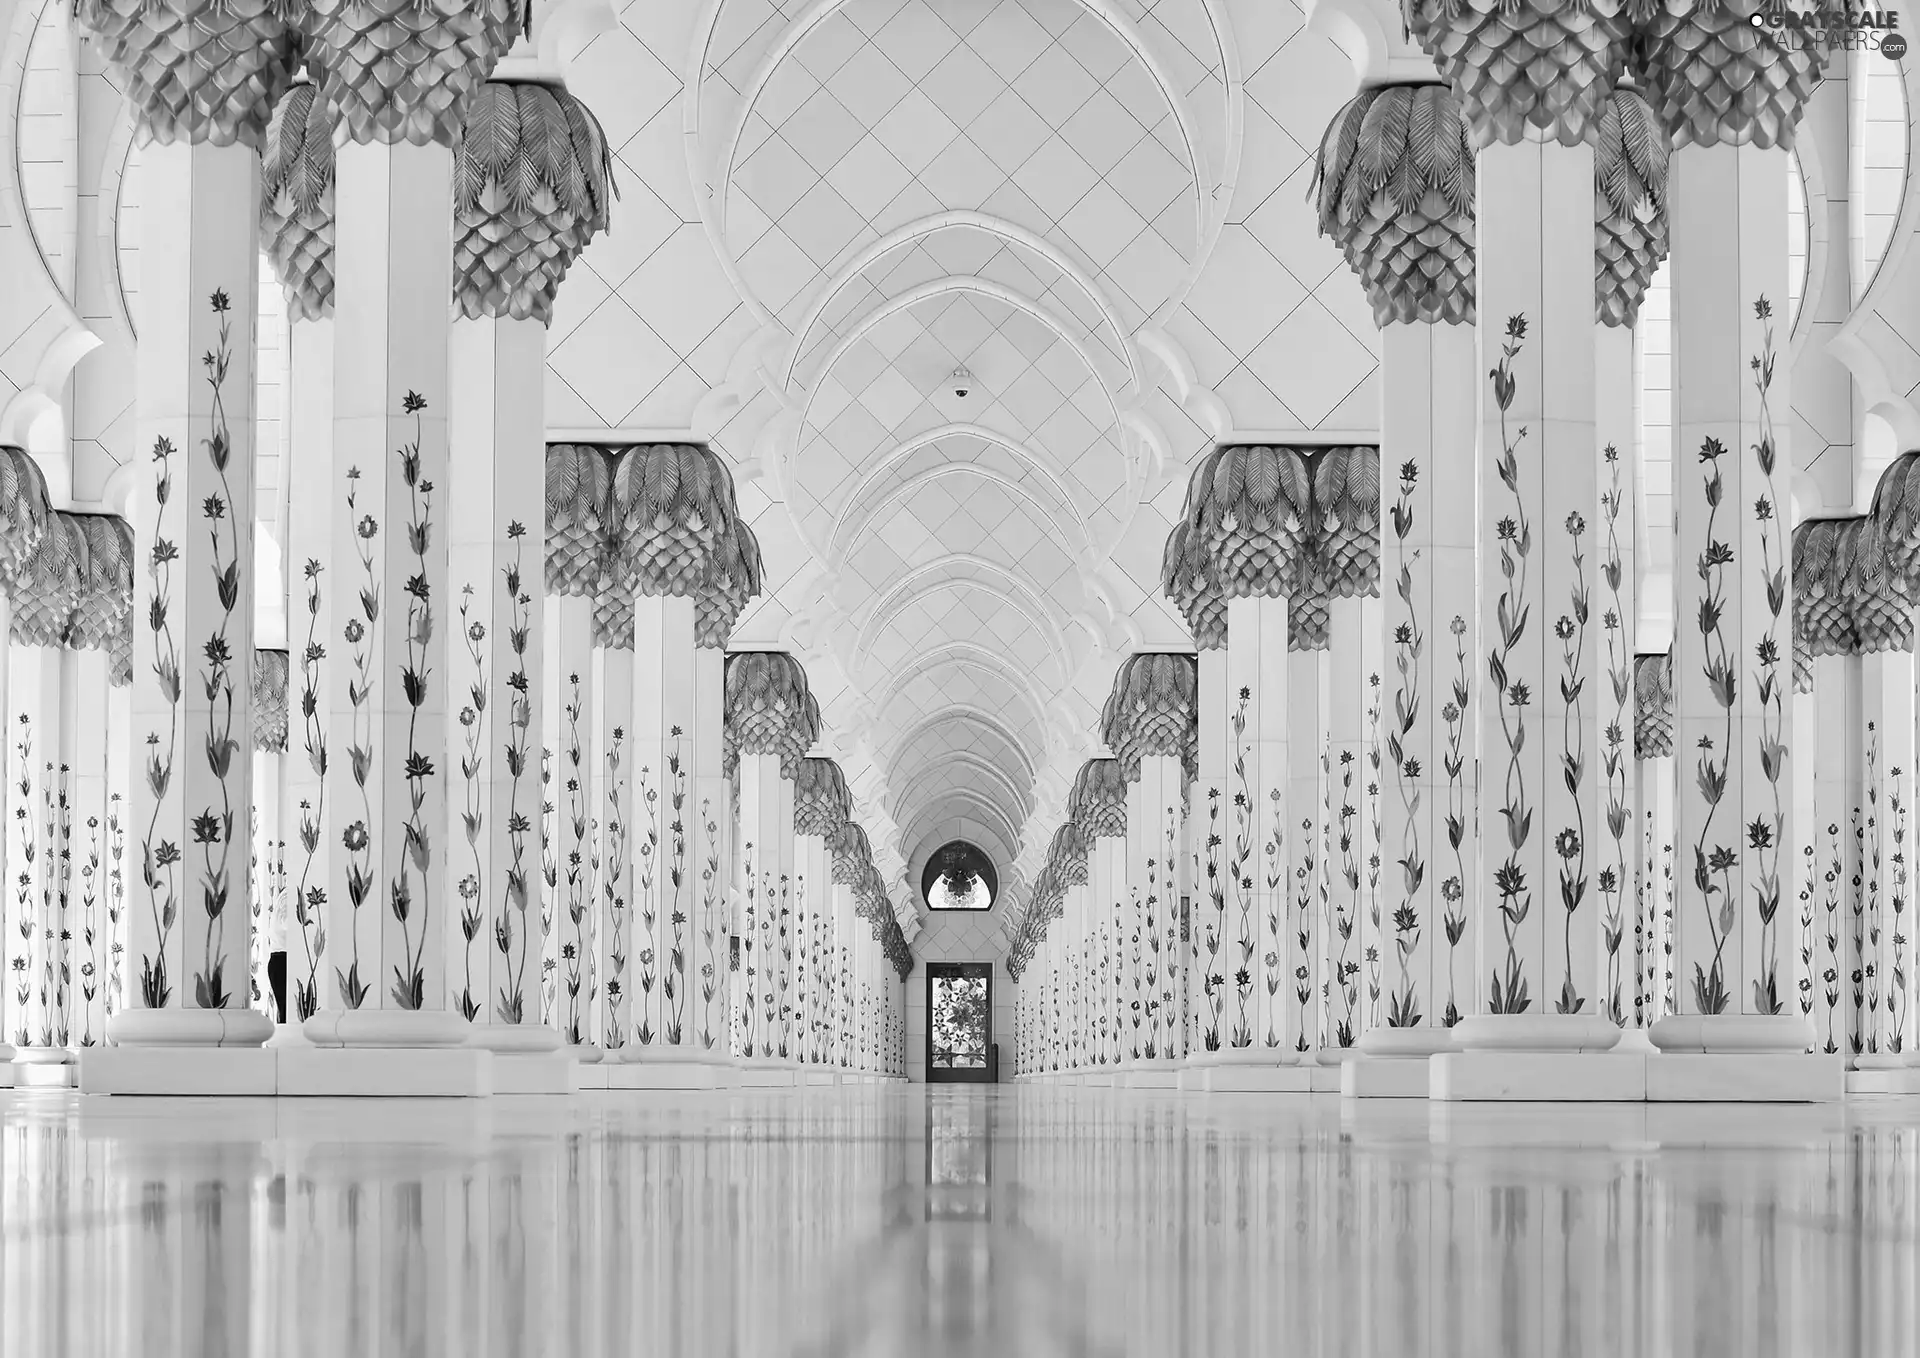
1017,593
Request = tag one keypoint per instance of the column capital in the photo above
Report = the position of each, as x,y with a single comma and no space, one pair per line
197,71
1098,801
532,179
1394,186
1187,577
852,854
1630,154
1544,65
1653,705
821,803
677,531
403,70
1249,509
1067,855
1896,509
770,709
296,201
270,701
1846,600
579,489
894,948
24,511
1152,710
106,583
1346,514
1718,78
49,587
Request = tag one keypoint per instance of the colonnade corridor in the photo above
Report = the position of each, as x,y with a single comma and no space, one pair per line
960,1220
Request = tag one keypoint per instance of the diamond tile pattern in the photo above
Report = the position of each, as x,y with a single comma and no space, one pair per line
1034,113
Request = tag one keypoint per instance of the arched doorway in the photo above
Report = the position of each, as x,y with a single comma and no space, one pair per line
960,1023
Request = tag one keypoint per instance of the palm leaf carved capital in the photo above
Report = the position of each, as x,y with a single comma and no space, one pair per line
1717,77
1630,154
402,71
821,803
1653,706
270,701
1098,800
770,709
296,201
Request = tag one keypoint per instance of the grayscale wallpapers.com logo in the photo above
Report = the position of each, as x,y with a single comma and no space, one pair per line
1838,28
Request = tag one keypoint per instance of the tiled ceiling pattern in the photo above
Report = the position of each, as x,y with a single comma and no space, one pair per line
1097,219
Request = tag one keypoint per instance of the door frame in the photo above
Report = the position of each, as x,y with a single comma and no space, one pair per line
937,971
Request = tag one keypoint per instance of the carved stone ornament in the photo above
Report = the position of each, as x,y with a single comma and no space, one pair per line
1188,579
106,588
1520,64
1717,77
296,201
1845,599
532,179
1653,706
1252,507
770,710
270,701
613,618
1394,187
821,803
401,71
197,71
1896,509
50,586
735,583
579,486
24,511
673,506
1152,710
852,854
1068,855
1630,153
1098,801
1346,508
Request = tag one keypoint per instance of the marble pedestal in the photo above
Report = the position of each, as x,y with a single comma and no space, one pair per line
1745,1077
1384,1077
666,1068
1154,1074
535,1073
1538,1077
184,1071
1228,1073
63,1075
386,1072
768,1074
1883,1079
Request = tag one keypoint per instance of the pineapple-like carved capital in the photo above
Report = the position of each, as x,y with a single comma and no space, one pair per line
613,619
402,71
1653,706
52,583
296,201
106,587
734,583
672,505
1346,506
1719,75
24,510
579,488
1845,599
1067,855
1152,710
197,71
1393,185
1520,65
1630,153
1251,510
770,709
1310,618
1896,512
532,179
852,854
1098,801
1188,579
821,803
270,701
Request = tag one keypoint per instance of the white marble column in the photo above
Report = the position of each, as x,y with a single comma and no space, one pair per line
296,234
92,955
1887,773
200,193
1653,811
821,807
1348,847
612,797
1305,799
1736,967
1099,808
24,518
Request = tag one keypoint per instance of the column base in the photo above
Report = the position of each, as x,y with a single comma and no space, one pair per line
1538,1077
189,1028
6,1066
45,1067
1384,1077
1400,1043
386,1072
1534,1033
589,1053
1883,1080
289,1035
660,1067
515,1039
1154,1073
768,1072
1335,1056
407,1029
1250,1070
818,1076
1732,1033
200,1070
535,1073
1744,1077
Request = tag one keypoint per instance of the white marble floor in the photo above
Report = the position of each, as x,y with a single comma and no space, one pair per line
900,1221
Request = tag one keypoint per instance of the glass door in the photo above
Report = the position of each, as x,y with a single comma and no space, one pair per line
960,1026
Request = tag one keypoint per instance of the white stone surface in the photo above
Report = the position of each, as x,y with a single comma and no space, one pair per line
1752,1077
1538,1077
385,1072
1384,1077
218,1071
